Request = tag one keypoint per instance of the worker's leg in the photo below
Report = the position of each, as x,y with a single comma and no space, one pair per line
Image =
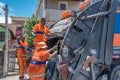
21,63
24,63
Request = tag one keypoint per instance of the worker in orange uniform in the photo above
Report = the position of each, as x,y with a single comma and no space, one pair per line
68,13
41,31
37,67
84,4
21,54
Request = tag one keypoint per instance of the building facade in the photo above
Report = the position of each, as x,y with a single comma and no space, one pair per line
15,29
52,9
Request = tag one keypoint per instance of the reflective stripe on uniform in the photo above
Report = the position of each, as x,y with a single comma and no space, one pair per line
38,32
23,55
36,42
26,48
36,75
37,62
21,47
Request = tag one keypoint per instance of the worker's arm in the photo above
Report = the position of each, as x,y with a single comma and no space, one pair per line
33,34
35,28
53,54
84,4
52,49
18,40
51,34
48,32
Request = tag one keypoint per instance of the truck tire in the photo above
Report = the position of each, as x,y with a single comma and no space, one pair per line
115,74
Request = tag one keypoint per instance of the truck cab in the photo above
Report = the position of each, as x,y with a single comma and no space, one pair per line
115,66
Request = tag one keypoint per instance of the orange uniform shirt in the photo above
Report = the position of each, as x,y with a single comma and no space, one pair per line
36,68
84,4
66,14
21,50
40,37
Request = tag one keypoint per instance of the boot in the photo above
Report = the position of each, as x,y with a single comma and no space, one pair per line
21,77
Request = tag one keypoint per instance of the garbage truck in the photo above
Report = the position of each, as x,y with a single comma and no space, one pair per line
115,65
88,50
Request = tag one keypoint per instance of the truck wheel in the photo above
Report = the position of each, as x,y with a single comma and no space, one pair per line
115,74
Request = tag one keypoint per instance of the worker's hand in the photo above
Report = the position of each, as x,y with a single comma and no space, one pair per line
91,59
55,47
58,35
53,54
56,52
33,31
86,64
33,35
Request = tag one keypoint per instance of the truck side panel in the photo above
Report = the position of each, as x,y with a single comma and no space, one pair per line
116,41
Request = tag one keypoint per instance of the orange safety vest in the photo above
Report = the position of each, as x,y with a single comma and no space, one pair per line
41,32
38,63
22,50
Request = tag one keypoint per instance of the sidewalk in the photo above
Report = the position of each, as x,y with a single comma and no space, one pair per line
14,77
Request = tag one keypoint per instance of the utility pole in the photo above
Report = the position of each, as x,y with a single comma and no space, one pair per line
44,10
5,65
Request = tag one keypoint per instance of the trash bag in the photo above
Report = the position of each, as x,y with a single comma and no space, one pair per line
51,68
63,69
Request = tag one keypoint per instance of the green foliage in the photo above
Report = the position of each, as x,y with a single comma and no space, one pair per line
28,30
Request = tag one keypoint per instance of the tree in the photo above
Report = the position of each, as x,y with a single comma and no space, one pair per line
28,30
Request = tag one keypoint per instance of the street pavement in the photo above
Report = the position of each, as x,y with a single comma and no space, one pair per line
14,77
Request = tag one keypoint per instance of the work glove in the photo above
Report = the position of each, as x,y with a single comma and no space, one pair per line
33,35
91,59
58,35
55,48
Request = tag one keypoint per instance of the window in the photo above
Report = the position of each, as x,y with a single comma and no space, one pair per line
63,5
2,36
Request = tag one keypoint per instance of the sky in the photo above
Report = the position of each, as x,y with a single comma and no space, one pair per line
20,8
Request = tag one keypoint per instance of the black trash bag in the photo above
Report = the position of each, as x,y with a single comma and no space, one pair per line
51,68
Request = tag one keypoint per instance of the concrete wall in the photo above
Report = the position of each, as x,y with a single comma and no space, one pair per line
53,14
54,4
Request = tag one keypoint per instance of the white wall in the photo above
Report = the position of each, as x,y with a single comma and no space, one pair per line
53,14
